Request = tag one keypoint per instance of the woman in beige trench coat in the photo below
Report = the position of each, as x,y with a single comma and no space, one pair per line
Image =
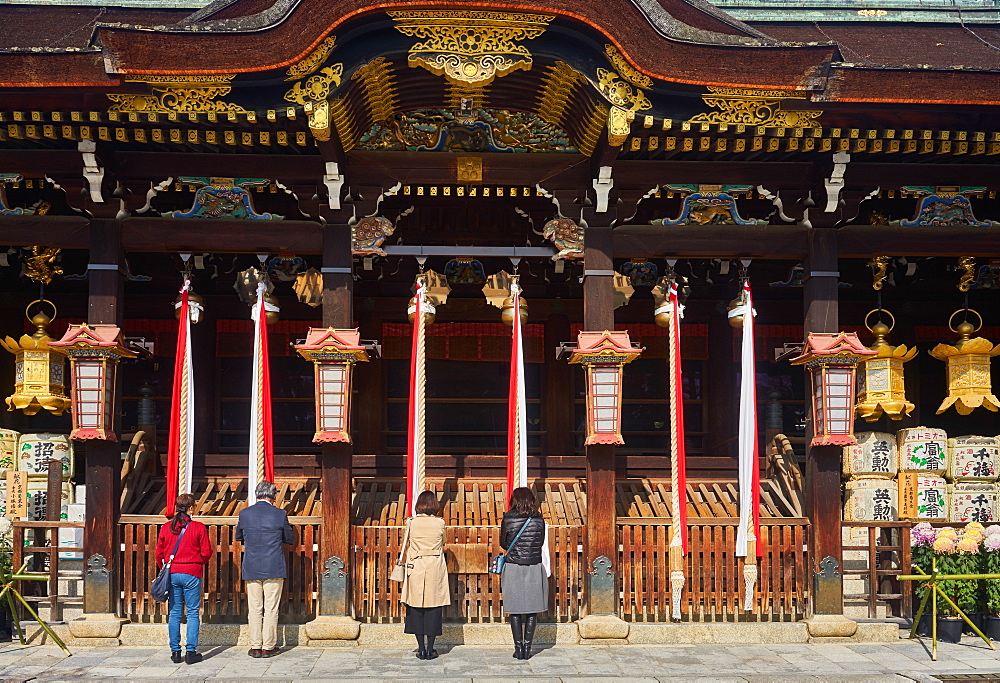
425,589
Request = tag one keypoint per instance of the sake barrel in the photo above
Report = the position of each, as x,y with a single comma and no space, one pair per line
922,497
973,458
35,451
874,455
38,499
8,450
871,499
923,450
3,498
973,501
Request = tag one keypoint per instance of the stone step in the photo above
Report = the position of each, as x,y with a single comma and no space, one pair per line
391,635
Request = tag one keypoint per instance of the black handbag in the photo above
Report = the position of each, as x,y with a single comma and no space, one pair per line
496,566
160,589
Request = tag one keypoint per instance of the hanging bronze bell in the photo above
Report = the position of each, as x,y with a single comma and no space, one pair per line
507,311
272,308
196,307
736,321
428,308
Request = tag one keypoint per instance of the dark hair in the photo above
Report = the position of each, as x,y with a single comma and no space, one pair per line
522,500
427,504
181,506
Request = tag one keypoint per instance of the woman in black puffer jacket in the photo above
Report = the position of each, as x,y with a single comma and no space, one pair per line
524,581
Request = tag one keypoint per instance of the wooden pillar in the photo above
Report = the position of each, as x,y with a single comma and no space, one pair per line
823,463
103,458
602,539
335,460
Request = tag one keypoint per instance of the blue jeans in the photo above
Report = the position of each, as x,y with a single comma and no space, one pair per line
185,594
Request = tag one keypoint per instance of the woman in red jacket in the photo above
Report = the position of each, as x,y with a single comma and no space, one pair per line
186,572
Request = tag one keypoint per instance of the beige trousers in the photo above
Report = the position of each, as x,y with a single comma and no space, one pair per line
263,597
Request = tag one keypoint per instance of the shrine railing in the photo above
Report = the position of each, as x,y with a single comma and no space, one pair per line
38,544
225,599
475,593
714,587
876,553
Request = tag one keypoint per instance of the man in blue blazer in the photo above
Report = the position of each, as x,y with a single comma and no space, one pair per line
264,530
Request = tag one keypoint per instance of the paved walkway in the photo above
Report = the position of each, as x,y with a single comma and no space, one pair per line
906,660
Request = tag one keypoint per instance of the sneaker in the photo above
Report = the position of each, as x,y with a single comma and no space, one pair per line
192,657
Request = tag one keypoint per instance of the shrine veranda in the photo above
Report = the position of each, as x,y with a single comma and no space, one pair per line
337,152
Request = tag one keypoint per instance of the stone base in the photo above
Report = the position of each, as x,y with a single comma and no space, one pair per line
97,626
721,633
329,628
602,628
830,626
314,642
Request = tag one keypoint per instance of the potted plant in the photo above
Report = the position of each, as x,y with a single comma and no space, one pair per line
947,561
991,565
922,538
968,560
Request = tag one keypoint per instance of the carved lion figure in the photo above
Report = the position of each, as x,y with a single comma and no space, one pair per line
368,235
567,236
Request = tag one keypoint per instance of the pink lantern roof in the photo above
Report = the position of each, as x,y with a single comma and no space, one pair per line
329,340
820,345
104,337
610,347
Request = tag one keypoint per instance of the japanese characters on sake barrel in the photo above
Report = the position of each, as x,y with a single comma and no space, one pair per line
922,497
973,502
923,450
871,499
8,450
35,451
874,455
973,458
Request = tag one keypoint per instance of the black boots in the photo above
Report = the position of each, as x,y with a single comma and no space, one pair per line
176,657
522,626
426,651
517,629
530,621
192,657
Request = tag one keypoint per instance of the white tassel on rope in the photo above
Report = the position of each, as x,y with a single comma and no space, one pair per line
746,540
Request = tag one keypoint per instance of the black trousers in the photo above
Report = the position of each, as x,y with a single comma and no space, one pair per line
423,621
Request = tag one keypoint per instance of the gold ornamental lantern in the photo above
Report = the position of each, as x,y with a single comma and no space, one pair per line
881,389
40,379
968,364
